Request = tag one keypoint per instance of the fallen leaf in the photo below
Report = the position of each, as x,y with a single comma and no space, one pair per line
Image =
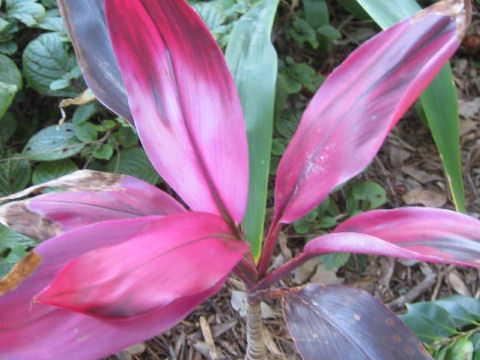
456,282
305,271
426,197
324,276
398,156
417,174
468,109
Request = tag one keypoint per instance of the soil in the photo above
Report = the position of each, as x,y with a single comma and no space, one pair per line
407,162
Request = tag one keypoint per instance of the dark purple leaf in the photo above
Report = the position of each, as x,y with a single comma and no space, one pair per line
330,322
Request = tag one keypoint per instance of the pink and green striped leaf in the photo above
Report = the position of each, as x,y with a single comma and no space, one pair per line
88,197
350,116
152,269
55,333
183,101
339,322
87,29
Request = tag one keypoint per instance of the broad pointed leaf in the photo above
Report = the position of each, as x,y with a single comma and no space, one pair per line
91,196
53,333
159,265
430,233
350,116
184,102
439,100
252,60
339,322
87,28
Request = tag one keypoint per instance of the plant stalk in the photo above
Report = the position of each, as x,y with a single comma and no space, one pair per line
255,341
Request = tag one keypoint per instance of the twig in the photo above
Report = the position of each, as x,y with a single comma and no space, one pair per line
417,290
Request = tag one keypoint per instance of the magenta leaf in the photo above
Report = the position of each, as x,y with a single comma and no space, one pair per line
359,103
31,330
90,196
339,322
87,29
178,256
184,102
432,234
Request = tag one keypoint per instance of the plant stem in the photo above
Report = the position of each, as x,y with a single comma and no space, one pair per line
282,271
267,250
255,341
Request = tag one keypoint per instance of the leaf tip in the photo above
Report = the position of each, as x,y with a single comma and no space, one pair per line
20,271
459,10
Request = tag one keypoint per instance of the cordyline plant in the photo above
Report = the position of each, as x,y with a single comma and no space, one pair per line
122,261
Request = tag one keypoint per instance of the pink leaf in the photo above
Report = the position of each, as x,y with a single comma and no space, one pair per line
350,116
432,234
91,196
184,102
31,330
178,256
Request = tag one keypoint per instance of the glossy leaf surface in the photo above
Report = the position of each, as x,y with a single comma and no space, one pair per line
252,60
55,333
157,266
339,322
87,28
90,196
350,116
444,234
439,100
184,102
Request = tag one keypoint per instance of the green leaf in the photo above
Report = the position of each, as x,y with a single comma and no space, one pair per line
329,32
252,60
8,48
335,260
52,21
53,143
28,12
365,196
354,8
470,304
461,349
8,125
105,152
85,131
439,100
421,327
316,12
14,176
16,245
50,170
460,315
134,162
436,316
84,112
45,60
10,83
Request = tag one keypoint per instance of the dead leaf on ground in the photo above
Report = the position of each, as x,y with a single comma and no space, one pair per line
398,156
426,197
305,271
324,276
468,109
456,282
418,174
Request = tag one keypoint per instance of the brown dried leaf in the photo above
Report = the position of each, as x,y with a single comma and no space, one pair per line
20,271
417,174
425,197
456,282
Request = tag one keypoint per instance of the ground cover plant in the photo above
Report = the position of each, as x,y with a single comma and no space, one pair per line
119,270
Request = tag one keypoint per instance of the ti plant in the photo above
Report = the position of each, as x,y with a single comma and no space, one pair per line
122,261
